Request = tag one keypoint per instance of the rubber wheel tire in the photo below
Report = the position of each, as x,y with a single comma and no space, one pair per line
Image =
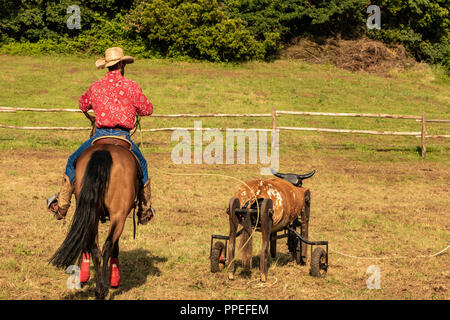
216,265
318,263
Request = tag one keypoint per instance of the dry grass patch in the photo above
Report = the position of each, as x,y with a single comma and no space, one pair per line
356,206
354,55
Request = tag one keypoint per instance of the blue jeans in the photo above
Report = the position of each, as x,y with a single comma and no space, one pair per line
70,168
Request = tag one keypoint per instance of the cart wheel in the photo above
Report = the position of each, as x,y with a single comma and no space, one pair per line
273,245
318,263
217,257
233,204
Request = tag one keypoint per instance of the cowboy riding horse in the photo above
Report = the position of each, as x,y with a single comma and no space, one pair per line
107,174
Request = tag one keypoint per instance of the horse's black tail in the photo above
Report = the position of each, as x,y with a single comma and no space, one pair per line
81,235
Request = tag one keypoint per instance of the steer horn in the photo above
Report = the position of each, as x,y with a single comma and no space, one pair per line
295,179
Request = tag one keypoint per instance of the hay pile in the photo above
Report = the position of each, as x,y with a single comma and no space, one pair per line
354,55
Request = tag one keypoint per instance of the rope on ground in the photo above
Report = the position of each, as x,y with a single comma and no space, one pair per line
258,285
391,258
262,284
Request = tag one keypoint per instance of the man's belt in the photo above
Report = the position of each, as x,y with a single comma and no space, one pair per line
116,128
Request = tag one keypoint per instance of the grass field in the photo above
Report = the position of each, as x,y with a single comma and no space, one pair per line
372,196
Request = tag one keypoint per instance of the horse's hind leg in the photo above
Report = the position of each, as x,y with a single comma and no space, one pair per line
97,259
111,250
101,289
108,248
103,285
114,276
115,253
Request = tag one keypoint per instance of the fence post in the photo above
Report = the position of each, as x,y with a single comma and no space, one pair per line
274,120
424,147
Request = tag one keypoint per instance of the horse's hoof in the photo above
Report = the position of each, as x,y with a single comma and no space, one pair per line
101,291
100,295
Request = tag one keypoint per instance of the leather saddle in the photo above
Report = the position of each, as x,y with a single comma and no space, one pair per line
116,140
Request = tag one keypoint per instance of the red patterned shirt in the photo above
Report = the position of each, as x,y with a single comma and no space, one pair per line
115,101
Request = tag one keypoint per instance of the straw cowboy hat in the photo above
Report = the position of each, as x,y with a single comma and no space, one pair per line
113,56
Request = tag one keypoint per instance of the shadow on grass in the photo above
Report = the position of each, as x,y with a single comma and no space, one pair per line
281,259
370,149
135,266
417,149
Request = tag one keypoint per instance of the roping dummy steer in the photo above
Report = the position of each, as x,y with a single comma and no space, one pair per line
270,206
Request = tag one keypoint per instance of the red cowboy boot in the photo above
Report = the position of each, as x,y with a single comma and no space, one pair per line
84,269
59,204
146,211
114,276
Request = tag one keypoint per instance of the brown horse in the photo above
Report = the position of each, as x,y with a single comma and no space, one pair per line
106,185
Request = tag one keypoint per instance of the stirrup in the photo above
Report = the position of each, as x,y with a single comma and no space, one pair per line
52,200
149,216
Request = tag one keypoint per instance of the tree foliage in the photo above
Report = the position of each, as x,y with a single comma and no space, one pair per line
423,26
219,30
293,18
198,29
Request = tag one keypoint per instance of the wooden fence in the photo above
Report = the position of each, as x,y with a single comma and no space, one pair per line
422,134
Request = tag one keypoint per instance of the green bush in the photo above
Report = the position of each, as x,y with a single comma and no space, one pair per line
422,26
34,20
198,29
293,18
104,33
218,30
39,27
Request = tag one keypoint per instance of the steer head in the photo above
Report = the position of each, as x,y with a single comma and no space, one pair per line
295,179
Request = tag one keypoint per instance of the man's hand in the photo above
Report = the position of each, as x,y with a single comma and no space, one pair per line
91,118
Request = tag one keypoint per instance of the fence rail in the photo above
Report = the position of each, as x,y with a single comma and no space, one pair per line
422,134
389,133
361,115
231,115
